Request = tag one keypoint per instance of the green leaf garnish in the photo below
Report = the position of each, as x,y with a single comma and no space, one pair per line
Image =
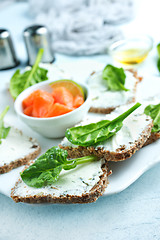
158,64
46,169
158,61
3,130
91,134
21,81
115,78
158,49
154,112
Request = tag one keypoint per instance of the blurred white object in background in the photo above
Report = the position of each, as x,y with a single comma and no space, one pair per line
5,3
82,27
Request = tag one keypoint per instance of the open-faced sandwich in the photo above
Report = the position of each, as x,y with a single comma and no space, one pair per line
111,88
16,149
48,179
108,137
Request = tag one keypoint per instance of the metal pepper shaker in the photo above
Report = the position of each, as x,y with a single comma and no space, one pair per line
36,37
8,58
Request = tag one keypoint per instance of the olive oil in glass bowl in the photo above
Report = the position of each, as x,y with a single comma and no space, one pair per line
131,51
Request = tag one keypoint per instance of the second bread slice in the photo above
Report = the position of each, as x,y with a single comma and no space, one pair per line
130,138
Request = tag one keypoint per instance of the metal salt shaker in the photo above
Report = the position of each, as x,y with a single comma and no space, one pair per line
36,37
8,58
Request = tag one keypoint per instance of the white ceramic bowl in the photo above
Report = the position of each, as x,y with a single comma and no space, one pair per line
53,127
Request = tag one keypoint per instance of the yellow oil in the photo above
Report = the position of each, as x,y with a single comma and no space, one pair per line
130,56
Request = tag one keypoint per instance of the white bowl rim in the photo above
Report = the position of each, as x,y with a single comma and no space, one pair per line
16,103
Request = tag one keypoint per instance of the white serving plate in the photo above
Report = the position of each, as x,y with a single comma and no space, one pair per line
124,173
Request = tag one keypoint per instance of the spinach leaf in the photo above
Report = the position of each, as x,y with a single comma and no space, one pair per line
3,130
21,81
94,133
158,49
115,78
46,169
154,112
158,64
158,61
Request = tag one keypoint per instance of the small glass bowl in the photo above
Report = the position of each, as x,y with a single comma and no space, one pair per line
132,50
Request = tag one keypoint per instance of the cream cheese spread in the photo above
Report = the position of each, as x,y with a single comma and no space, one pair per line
132,129
54,72
15,146
75,182
104,98
145,102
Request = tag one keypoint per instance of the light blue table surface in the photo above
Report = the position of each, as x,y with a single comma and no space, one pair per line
131,214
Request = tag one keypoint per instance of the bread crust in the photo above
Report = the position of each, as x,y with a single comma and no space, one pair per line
119,155
101,110
97,190
135,74
153,137
21,161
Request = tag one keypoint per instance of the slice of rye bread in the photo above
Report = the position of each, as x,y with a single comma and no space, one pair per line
105,101
17,150
92,179
130,138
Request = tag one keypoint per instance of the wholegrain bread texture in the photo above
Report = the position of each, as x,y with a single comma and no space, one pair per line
125,147
86,197
153,137
104,101
21,161
17,150
119,155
